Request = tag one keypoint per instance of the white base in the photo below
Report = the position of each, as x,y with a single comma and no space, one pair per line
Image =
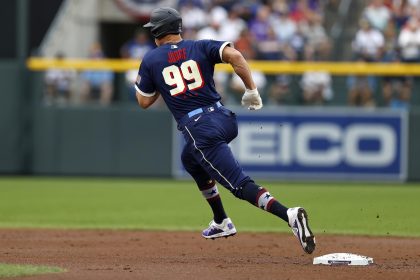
343,259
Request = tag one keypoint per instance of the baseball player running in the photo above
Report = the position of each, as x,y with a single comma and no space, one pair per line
181,71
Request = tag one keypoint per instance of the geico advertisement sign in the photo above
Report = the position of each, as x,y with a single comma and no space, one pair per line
287,144
356,144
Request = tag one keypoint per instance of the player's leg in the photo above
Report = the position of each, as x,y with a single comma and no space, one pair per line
296,217
215,156
221,165
205,184
221,225
207,143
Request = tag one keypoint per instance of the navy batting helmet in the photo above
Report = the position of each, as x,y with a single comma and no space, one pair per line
164,21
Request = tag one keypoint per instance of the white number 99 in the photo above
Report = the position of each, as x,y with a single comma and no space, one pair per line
175,76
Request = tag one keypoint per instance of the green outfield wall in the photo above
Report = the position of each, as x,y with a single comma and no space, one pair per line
115,141
414,146
11,118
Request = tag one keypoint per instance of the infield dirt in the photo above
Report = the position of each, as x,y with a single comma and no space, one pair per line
112,254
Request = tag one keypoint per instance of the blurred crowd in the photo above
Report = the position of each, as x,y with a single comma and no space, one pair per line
389,31
281,30
64,87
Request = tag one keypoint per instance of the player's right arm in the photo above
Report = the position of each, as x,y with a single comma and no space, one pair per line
146,101
146,93
251,97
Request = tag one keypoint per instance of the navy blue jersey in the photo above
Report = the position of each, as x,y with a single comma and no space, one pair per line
182,73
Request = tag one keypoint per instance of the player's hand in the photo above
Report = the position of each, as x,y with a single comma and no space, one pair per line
252,99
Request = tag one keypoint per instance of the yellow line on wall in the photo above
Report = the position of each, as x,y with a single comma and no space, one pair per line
268,67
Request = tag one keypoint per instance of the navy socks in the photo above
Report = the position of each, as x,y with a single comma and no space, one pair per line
211,194
251,192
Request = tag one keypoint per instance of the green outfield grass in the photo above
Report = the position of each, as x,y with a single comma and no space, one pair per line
373,209
15,270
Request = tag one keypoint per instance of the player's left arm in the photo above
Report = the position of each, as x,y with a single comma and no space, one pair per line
239,65
251,98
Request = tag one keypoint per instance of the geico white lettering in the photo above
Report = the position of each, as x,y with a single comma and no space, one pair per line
378,158
286,144
329,157
253,142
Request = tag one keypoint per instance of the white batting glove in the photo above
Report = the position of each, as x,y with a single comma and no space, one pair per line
252,99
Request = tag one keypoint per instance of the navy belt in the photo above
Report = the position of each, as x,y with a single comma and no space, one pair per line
197,111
